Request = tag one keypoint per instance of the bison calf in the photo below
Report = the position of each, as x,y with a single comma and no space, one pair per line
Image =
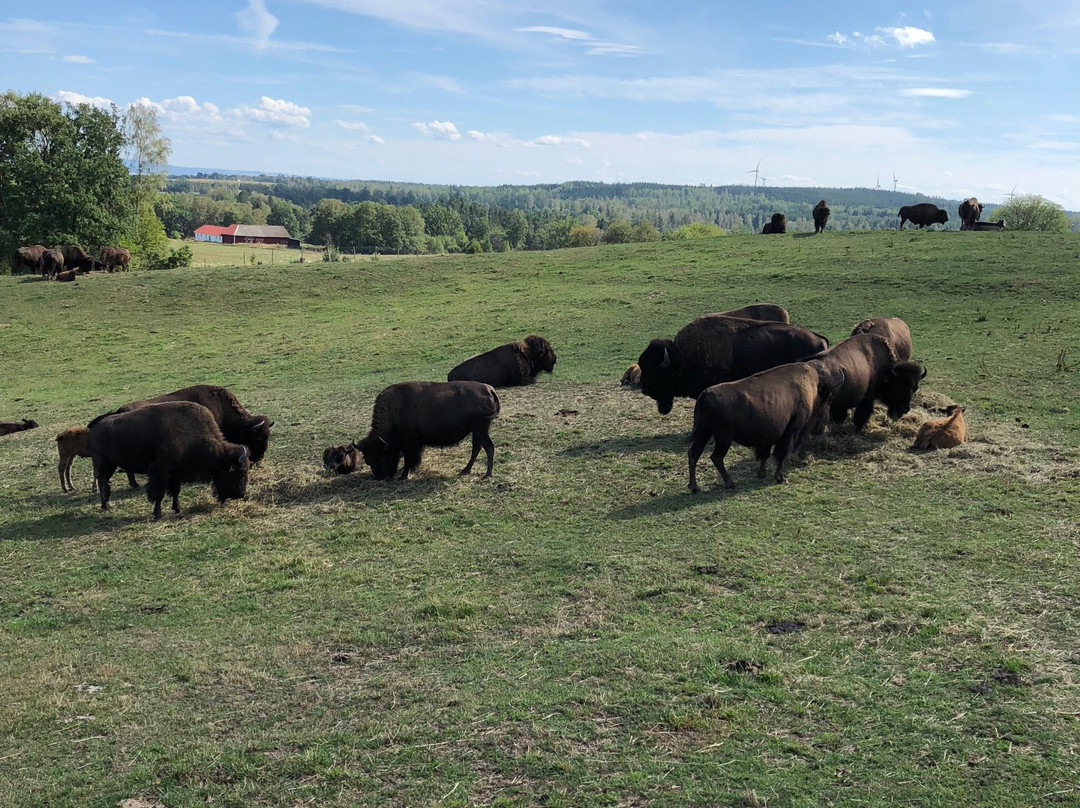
175,442
7,427
510,365
772,412
72,443
412,415
342,459
632,377
943,433
998,225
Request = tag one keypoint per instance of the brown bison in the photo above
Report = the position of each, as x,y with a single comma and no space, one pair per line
342,459
924,214
872,372
175,442
27,258
768,312
894,329
821,216
75,258
72,443
716,348
632,377
113,257
51,264
778,224
943,433
7,427
510,365
412,415
970,210
772,412
67,276
998,225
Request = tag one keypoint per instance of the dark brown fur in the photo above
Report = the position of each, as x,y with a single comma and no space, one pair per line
821,216
7,427
510,365
75,258
998,225
27,258
923,215
970,210
894,330
778,224
342,459
51,264
113,257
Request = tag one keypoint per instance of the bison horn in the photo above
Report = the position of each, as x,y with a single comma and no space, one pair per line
923,372
258,424
843,378
243,455
667,359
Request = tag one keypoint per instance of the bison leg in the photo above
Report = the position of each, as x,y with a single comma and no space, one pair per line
412,459
699,439
155,492
64,467
104,473
481,440
762,454
782,451
720,451
174,489
132,482
863,413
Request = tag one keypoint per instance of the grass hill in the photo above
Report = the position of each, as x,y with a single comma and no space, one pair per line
888,628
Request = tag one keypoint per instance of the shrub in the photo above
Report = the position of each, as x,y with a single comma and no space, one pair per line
1032,212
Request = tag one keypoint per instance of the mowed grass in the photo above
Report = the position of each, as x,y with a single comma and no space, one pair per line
886,629
209,254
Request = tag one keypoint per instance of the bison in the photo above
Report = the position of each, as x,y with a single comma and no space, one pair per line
342,459
72,443
998,225
872,372
51,264
821,216
894,329
778,224
412,415
510,365
75,258
632,377
768,312
716,348
923,215
970,210
27,258
7,427
113,257
943,433
67,276
772,411
174,442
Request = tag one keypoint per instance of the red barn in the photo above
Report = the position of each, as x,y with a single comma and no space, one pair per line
272,234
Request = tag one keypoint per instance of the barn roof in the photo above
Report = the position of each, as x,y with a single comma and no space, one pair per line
261,231
214,230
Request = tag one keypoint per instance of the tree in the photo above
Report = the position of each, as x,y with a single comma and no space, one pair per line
147,151
283,215
584,236
517,229
619,231
645,231
1033,212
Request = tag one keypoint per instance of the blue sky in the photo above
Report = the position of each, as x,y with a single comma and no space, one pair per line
957,99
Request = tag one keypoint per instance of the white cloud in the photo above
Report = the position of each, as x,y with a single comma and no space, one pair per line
355,126
257,23
595,47
77,59
69,97
439,129
559,33
838,38
935,92
909,36
376,140
477,135
278,110
559,140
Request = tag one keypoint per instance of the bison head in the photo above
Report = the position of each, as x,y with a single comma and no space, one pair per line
898,387
258,437
541,354
632,377
342,459
380,456
941,217
658,374
230,481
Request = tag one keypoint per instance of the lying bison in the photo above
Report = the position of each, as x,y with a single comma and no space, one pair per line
27,258
510,365
923,215
717,348
821,216
175,442
342,459
778,224
970,210
767,312
894,330
412,415
872,372
113,257
7,427
998,225
772,411
943,433
632,377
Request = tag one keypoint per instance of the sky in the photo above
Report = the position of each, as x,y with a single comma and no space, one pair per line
952,99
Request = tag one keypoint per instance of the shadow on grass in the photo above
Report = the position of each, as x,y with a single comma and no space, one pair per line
359,487
68,525
629,444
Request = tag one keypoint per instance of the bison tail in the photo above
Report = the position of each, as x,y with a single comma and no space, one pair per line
498,406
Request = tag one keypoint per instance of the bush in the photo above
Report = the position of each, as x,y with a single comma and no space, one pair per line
1033,212
585,236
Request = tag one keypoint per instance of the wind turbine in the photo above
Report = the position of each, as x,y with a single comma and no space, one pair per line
1011,194
755,172
764,179
877,185
894,181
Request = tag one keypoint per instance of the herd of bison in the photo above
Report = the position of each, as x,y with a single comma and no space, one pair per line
921,215
758,380
66,262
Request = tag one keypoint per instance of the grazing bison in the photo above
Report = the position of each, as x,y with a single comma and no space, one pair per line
772,411
51,264
923,215
778,224
510,365
970,210
716,348
72,443
175,442
7,427
411,415
872,372
113,257
998,225
632,377
894,329
943,433
27,258
768,312
821,216
342,459
75,258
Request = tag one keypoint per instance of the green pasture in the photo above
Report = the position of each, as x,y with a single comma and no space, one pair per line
887,629
208,254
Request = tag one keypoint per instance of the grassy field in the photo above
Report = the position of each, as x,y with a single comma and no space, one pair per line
886,629
208,254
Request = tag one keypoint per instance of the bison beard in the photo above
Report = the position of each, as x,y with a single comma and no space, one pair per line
410,416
